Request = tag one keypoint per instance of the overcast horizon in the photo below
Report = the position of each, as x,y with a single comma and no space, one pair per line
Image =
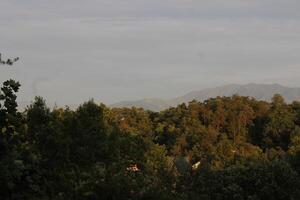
119,50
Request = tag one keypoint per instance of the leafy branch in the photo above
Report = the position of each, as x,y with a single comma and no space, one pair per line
9,61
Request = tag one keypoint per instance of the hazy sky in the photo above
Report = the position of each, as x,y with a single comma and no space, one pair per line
113,50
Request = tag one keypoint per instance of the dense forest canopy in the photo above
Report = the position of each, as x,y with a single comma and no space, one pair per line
223,148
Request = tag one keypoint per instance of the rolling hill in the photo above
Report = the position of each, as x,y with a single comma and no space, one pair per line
259,91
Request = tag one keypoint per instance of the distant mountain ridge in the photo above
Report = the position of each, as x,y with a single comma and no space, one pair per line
259,91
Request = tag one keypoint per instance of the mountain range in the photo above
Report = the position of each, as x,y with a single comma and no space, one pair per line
259,91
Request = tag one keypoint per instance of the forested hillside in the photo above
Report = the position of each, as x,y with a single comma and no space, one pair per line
223,148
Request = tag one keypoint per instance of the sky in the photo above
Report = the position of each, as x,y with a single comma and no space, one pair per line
115,50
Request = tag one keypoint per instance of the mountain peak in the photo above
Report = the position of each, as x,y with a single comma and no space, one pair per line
263,92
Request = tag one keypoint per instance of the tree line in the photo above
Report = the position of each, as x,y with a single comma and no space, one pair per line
221,149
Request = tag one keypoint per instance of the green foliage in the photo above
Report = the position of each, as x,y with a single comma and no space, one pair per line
223,148
16,178
271,180
280,124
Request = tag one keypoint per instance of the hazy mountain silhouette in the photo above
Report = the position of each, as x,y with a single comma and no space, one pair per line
259,91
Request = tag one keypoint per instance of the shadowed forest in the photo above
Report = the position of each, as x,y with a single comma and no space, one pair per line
225,148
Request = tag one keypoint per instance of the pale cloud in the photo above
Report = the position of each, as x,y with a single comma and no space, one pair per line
118,50
43,9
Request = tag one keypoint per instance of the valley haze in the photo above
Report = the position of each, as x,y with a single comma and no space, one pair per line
263,92
121,50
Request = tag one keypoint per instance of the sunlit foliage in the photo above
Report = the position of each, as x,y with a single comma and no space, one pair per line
223,148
